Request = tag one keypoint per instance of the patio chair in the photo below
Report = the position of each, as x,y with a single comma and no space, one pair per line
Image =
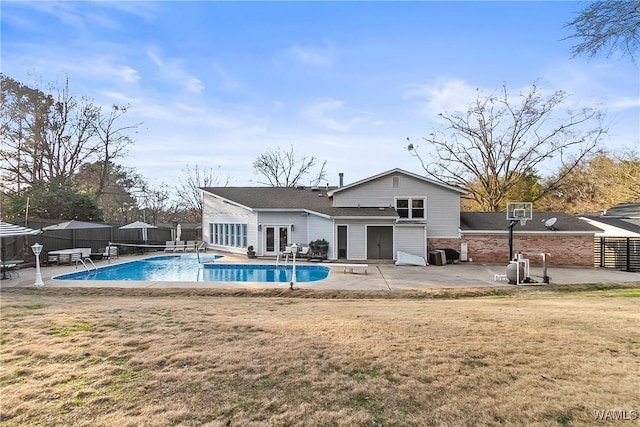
9,270
191,246
109,252
170,246
179,246
304,252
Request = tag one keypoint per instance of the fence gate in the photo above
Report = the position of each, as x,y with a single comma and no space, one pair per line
621,253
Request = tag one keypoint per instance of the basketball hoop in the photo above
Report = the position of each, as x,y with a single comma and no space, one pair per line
517,212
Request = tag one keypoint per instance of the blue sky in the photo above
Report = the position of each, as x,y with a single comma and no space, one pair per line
218,83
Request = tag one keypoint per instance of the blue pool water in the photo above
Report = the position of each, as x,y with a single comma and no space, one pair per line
186,268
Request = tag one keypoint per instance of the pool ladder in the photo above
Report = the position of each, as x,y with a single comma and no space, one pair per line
84,263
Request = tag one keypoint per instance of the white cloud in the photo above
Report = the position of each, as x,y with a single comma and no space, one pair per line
443,95
172,70
332,115
314,56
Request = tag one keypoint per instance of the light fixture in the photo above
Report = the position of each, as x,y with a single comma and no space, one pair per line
292,227
259,227
37,249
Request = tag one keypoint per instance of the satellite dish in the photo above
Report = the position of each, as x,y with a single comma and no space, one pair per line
550,223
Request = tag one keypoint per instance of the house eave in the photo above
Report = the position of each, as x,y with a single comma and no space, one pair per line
402,171
517,232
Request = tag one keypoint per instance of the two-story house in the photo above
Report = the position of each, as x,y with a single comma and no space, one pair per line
371,219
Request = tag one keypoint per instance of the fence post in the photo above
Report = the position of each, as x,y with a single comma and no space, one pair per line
628,254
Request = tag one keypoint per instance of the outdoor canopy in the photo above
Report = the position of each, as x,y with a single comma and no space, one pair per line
11,230
140,225
75,225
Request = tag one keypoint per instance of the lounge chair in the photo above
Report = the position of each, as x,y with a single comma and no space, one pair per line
191,246
179,246
170,246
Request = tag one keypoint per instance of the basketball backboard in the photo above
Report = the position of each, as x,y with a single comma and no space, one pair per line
520,211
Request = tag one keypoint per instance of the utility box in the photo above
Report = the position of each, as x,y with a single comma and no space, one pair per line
464,252
437,257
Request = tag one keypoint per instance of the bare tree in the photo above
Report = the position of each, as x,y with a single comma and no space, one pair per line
47,138
188,190
282,169
490,148
114,140
609,27
596,185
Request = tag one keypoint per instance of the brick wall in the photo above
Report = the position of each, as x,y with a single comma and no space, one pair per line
565,249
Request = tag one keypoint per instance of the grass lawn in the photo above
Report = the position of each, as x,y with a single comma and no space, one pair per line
131,358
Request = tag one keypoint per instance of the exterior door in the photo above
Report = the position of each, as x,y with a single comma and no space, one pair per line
343,252
379,242
276,238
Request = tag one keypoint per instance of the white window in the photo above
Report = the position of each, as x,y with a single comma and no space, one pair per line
411,207
232,235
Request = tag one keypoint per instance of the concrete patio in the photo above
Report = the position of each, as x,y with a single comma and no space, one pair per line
381,276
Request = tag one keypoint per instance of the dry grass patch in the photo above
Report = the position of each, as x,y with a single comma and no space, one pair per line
175,359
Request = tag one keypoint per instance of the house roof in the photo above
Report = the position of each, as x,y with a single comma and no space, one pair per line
625,210
625,216
399,171
293,198
496,221
628,224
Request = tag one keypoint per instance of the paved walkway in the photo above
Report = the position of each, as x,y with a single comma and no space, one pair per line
378,277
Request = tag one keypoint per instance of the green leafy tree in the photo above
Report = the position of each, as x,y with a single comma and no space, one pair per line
54,201
114,191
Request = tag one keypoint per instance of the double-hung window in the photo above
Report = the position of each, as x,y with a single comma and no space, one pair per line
410,207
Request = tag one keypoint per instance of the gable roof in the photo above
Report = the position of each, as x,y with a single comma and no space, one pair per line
497,222
395,172
292,198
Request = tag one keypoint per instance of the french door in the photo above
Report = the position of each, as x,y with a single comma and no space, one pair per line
276,238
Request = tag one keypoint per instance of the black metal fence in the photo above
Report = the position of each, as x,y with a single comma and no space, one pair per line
621,253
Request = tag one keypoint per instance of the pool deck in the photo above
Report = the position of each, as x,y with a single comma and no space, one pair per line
383,277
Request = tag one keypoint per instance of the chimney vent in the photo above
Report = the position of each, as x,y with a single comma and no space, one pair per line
341,175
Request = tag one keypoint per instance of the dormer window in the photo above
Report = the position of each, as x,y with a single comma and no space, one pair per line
410,208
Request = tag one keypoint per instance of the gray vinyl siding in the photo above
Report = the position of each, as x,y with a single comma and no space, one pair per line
411,240
442,204
358,242
322,228
297,219
357,236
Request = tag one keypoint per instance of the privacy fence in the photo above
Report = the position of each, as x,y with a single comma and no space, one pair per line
95,238
621,253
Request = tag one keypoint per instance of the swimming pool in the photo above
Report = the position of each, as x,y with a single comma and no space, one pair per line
186,268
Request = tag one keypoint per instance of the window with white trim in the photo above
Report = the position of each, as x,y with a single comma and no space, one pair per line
231,235
411,207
